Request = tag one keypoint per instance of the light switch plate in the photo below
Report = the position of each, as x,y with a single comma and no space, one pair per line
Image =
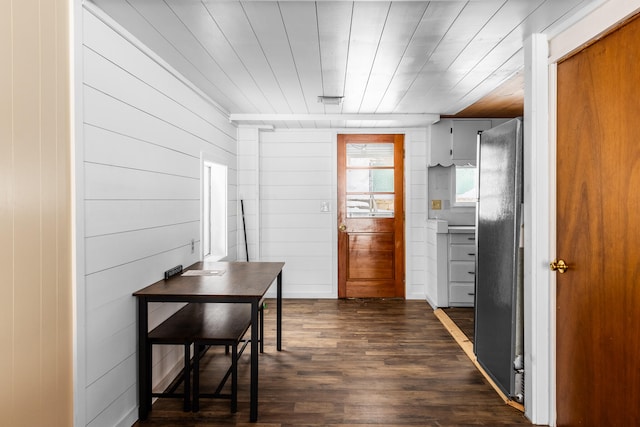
436,205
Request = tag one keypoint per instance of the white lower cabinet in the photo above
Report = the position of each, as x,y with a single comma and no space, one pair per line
462,269
450,264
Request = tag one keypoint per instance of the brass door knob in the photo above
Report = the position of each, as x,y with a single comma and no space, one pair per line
342,227
559,265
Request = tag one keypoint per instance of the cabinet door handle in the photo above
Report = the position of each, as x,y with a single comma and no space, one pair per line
471,254
471,293
472,272
471,238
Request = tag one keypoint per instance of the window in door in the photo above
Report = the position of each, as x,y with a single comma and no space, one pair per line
214,211
370,186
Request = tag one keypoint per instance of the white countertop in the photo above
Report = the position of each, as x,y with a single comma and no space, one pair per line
442,226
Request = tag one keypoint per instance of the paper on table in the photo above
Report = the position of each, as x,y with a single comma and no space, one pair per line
203,273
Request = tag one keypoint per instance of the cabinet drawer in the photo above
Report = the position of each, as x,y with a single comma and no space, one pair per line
462,252
462,238
462,271
461,294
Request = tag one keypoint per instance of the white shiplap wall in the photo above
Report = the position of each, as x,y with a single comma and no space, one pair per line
285,177
143,135
297,173
415,144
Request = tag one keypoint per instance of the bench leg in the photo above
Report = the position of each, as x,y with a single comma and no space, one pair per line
234,378
187,377
196,377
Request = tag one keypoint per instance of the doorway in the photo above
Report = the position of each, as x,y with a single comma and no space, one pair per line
214,210
371,216
598,176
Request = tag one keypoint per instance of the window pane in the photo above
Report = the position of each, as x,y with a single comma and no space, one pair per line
370,205
370,180
369,155
382,180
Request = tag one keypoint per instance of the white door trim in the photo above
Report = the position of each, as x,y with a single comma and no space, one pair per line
537,202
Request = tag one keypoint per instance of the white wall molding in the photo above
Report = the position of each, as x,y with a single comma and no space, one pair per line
424,119
539,384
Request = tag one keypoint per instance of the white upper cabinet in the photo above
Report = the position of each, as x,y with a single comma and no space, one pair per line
454,141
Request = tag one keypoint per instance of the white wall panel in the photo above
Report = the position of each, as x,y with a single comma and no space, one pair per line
114,216
297,174
108,351
144,134
293,235
106,147
318,220
248,190
299,164
119,410
324,193
112,250
295,149
113,183
107,77
293,178
247,178
292,206
416,213
315,137
108,285
287,249
104,111
121,378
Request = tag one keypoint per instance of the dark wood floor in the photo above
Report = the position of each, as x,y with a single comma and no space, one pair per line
353,362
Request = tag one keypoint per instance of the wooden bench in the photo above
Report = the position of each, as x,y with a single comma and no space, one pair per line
204,325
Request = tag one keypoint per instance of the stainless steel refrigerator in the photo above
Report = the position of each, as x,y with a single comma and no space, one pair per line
498,342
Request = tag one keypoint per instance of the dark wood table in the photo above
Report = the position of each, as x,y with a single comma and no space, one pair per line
240,282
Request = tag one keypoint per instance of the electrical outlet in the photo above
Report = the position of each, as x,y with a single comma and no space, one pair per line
436,205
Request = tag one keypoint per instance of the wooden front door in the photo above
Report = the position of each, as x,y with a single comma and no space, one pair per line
370,216
598,233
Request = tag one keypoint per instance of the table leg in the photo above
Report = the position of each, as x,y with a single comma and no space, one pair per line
144,364
253,413
279,313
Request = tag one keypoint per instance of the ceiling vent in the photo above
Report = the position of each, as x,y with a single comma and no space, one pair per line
330,100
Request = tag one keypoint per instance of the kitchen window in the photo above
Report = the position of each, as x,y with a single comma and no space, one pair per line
464,185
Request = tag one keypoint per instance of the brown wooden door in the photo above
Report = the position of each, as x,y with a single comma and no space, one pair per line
598,233
370,216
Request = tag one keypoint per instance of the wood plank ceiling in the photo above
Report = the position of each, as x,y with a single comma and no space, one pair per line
401,63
